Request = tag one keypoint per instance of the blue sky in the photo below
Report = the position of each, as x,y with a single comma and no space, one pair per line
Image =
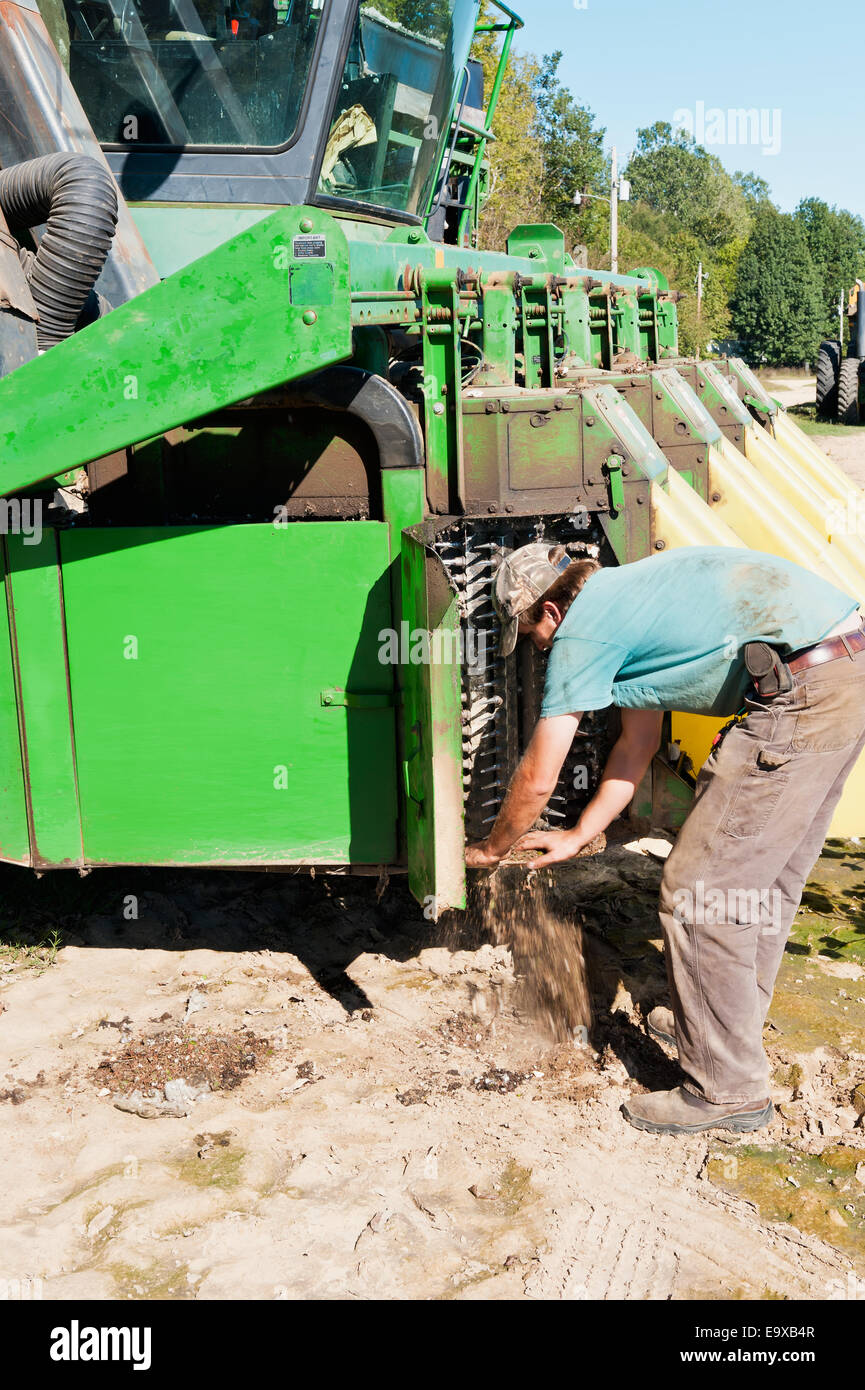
638,61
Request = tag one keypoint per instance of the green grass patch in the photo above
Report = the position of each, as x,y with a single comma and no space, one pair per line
805,417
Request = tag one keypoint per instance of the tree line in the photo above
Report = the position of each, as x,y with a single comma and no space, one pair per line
771,280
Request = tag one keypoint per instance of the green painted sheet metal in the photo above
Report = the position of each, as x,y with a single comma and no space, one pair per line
442,369
175,234
14,837
687,403
432,755
641,447
199,659
39,643
251,315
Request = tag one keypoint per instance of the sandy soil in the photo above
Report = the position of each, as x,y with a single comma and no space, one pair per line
405,1132
791,390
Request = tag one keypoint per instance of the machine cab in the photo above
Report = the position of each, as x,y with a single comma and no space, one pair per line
263,102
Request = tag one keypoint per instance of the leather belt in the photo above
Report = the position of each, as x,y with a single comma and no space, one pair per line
829,650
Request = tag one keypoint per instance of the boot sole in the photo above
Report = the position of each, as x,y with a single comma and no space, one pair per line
659,1033
743,1123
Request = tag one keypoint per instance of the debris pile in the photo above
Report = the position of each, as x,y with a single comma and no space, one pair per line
164,1075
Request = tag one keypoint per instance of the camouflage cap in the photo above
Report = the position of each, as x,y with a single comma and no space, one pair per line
523,577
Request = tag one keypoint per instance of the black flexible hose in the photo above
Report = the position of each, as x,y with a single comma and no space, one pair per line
75,196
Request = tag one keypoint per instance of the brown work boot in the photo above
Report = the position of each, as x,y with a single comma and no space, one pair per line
678,1112
661,1023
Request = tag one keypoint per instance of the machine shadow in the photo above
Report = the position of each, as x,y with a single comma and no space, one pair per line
327,921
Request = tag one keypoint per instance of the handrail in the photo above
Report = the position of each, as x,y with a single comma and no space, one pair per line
480,134
514,23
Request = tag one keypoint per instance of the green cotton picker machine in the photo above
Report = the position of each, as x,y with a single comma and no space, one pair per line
269,418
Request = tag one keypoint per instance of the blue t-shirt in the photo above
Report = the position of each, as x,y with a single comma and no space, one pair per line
669,632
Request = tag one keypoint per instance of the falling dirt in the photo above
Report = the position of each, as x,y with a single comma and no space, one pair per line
515,907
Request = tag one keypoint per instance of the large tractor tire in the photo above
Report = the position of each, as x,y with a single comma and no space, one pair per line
828,365
848,391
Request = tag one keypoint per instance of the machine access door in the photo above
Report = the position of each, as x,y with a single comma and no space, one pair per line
228,703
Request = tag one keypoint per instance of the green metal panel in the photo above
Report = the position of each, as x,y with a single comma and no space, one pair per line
206,665
499,340
176,233
626,320
39,644
249,316
14,839
441,388
432,754
576,325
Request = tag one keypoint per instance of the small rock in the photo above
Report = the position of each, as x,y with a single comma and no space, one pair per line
835,1218
99,1222
483,1193
860,1173
175,1103
654,848
858,1098
195,1002
416,1096
183,1092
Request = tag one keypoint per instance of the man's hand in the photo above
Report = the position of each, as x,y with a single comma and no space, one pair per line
558,844
480,856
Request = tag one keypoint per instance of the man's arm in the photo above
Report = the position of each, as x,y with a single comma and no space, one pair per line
531,787
630,756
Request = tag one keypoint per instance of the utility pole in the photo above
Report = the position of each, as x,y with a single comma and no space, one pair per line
614,214
700,280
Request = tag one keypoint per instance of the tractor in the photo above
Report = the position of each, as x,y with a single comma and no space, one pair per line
839,378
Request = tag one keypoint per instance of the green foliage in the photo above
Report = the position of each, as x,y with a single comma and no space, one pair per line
836,242
672,173
572,157
755,189
515,156
777,305
431,18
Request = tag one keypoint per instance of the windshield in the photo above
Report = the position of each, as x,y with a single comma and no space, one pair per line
192,72
404,63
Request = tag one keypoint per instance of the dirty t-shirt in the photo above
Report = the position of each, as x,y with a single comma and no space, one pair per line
669,632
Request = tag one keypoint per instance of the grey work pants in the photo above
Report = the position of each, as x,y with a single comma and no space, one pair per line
734,879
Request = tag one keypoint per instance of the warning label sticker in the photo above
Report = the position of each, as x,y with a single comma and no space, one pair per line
309,245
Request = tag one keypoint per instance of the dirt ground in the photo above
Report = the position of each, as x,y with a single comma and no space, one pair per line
236,1085
383,1120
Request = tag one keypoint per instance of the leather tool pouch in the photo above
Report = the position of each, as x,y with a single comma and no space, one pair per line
771,676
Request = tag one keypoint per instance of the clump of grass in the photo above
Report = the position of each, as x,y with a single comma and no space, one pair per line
36,956
807,419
